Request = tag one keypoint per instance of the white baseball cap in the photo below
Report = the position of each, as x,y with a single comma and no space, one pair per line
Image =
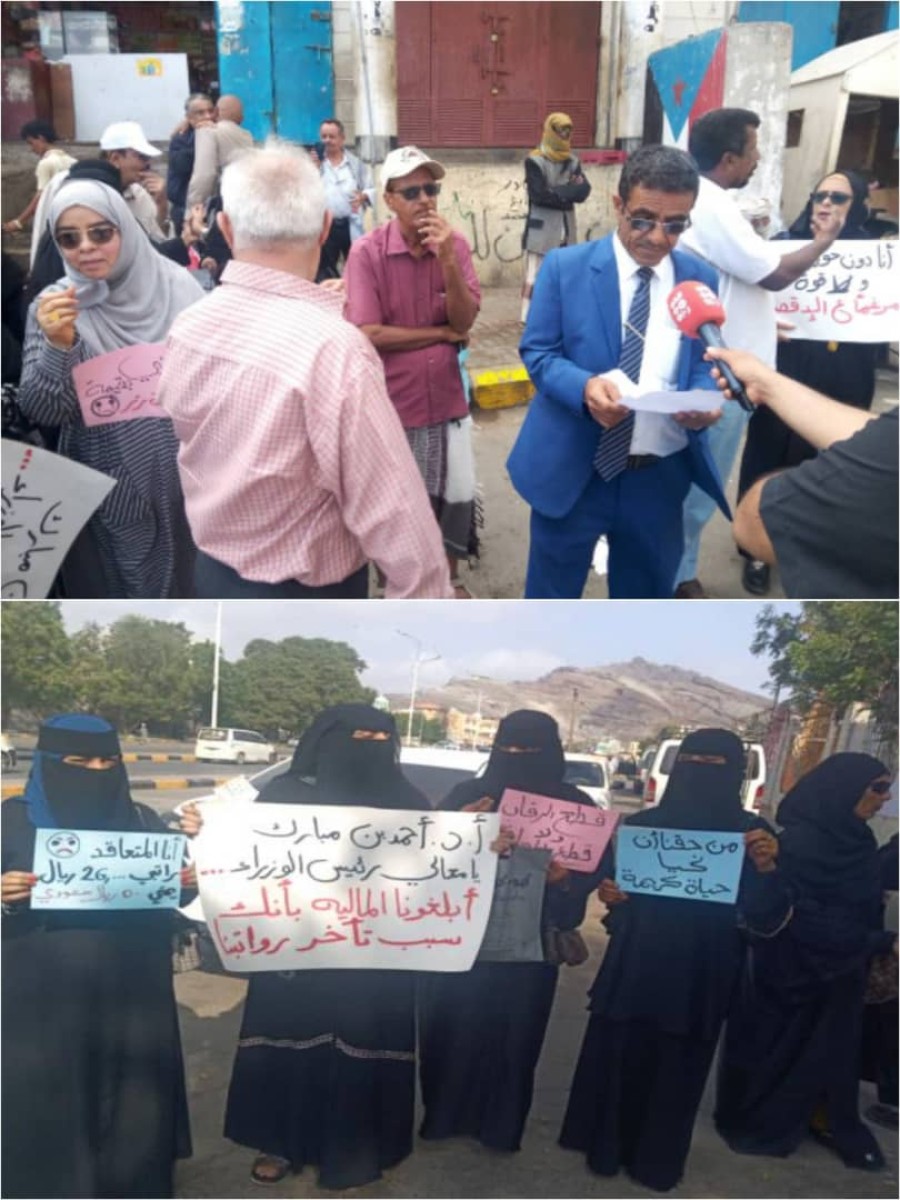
127,135
407,159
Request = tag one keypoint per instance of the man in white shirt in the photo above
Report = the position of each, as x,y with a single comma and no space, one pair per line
124,144
724,145
599,328
349,191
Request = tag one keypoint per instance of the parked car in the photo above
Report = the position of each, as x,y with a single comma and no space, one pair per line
233,745
644,765
754,785
10,758
585,771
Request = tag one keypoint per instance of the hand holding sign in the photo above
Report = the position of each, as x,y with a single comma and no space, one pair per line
121,385
577,834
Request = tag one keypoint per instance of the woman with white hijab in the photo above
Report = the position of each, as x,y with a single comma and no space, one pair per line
117,292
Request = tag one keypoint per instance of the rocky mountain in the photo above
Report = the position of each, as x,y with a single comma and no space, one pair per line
622,700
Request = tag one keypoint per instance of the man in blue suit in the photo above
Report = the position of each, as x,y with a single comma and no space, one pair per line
586,463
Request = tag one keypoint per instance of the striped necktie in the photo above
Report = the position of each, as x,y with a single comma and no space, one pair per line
612,450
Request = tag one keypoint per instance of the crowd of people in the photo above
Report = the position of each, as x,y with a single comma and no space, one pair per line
326,1062
278,234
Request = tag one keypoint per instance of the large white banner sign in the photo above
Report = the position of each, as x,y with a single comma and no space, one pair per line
850,294
290,886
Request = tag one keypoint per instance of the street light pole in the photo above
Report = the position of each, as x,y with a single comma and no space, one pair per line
217,652
417,661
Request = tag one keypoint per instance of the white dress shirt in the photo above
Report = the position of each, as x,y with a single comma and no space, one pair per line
654,433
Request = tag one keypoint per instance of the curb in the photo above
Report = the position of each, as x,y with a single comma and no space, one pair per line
159,785
501,387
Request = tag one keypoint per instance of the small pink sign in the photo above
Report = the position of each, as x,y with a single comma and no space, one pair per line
121,385
575,834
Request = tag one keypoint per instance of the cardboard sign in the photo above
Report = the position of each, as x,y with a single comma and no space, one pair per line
685,864
121,385
292,886
46,499
513,931
850,294
576,834
91,869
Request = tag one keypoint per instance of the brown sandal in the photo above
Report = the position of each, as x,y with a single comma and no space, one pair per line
269,1168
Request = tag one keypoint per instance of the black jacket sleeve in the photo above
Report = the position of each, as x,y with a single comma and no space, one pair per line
563,196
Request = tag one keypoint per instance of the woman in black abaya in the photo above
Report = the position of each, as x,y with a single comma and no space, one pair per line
790,1059
93,1081
482,1030
325,1067
666,981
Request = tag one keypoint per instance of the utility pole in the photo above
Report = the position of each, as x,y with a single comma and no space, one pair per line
417,661
214,716
572,715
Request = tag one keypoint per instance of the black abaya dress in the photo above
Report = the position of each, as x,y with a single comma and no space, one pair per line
93,1081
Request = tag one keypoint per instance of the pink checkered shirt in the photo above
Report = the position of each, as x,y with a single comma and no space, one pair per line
293,462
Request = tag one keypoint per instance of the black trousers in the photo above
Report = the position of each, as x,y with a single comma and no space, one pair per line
215,580
335,250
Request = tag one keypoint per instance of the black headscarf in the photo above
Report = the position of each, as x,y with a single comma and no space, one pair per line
60,795
704,788
823,845
857,215
331,766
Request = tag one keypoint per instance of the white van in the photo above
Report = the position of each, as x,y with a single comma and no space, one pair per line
585,771
233,745
754,785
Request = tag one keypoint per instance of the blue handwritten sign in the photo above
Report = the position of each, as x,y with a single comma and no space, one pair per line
90,869
685,864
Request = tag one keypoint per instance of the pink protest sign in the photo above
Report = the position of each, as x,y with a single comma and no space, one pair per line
575,834
121,385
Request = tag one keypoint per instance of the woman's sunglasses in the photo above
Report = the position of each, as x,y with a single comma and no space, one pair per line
97,235
412,193
834,197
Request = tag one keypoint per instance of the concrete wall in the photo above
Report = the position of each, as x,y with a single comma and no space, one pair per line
823,104
343,37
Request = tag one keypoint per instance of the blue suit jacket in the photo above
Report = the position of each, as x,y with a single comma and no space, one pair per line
574,331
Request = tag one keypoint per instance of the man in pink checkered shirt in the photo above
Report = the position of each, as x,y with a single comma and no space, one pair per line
295,468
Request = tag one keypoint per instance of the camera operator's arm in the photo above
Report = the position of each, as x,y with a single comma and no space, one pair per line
749,530
818,419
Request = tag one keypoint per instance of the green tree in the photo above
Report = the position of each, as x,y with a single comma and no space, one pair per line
840,653
37,669
282,685
201,686
150,674
427,730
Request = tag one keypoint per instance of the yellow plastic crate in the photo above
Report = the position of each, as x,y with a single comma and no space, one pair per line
502,388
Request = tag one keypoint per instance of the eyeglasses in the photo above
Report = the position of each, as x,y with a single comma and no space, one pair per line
881,787
97,235
412,193
673,228
834,197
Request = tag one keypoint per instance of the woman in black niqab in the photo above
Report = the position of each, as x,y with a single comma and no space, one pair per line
790,1059
482,1030
93,1077
666,982
325,1066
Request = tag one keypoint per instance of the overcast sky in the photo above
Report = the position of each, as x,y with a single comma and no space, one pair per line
501,639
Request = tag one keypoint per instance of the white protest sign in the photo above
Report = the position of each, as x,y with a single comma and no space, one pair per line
46,499
290,886
850,294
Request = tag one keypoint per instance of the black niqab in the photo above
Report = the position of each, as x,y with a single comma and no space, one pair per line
823,844
704,788
537,765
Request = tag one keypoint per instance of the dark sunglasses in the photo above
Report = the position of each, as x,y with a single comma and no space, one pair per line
412,193
97,235
834,197
673,228
881,787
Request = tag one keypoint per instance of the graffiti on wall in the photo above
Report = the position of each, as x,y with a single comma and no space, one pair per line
493,230
688,80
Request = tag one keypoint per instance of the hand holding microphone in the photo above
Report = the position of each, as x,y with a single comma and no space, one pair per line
698,313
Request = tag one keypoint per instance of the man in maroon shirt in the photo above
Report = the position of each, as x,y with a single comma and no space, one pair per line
412,289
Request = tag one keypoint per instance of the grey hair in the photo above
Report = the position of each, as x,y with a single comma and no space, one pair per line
193,97
273,194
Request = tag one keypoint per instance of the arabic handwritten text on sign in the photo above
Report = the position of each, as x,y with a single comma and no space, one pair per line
288,887
46,499
90,869
121,385
513,932
850,294
685,864
576,834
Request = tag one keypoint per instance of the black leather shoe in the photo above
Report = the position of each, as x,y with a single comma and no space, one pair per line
756,577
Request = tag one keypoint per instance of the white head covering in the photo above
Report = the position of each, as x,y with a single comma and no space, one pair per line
143,293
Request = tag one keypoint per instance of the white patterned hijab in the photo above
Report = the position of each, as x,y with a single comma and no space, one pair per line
144,292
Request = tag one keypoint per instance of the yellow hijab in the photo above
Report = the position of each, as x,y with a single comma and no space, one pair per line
553,145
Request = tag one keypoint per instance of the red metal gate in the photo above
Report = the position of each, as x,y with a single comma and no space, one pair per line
487,75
